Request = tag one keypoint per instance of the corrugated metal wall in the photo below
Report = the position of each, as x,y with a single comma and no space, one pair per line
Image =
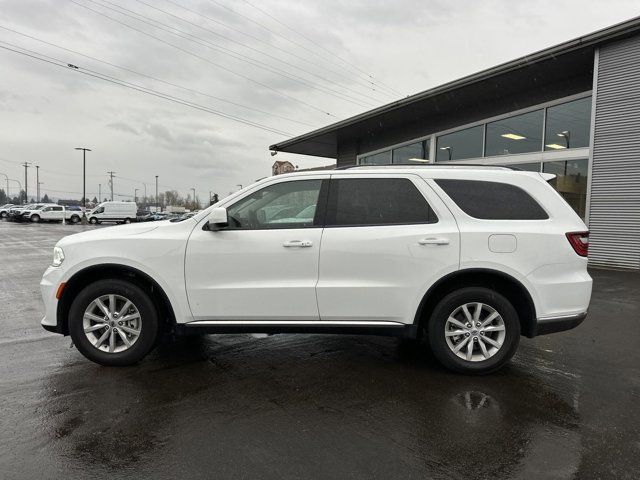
614,210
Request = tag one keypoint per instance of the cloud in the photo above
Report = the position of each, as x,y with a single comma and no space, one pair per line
409,44
123,127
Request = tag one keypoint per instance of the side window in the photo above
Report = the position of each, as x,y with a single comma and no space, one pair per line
492,200
46,209
56,209
283,205
376,201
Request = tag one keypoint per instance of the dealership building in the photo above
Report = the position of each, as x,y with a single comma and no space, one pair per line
572,110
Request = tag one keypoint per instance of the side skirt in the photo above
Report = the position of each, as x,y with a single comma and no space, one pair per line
392,329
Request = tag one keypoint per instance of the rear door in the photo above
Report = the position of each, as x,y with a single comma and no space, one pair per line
387,238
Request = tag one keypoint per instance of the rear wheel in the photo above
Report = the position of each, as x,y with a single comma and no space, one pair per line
74,219
3,214
113,323
127,220
474,330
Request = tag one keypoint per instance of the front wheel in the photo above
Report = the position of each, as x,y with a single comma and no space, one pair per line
93,220
35,218
74,219
113,323
474,330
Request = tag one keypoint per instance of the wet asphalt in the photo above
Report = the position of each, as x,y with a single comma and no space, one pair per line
313,406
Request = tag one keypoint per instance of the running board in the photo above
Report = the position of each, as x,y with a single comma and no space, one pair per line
388,328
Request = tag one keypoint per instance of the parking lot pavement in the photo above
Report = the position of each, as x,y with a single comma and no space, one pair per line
305,407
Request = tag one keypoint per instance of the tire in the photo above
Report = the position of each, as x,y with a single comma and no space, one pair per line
503,330
35,218
93,220
3,215
127,220
147,324
74,219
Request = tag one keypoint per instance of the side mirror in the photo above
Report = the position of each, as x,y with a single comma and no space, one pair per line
218,218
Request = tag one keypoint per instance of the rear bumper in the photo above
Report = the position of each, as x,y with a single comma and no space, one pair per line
559,324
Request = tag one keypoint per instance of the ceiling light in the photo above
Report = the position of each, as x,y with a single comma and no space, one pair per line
513,136
555,146
421,160
445,148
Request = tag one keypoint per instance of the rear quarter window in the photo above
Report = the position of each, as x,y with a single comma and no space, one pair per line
492,200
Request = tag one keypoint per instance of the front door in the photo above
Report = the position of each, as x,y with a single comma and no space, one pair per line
264,265
386,240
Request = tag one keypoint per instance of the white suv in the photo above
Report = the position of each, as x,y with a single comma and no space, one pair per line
466,258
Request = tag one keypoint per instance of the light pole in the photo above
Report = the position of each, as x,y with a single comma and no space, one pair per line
135,195
38,183
99,193
156,193
194,196
84,183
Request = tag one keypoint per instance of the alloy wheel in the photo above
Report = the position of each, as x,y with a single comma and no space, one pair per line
112,323
475,331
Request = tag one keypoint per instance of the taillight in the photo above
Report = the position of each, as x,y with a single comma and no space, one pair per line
580,242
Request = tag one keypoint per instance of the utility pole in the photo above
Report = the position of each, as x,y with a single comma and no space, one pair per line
194,196
111,183
84,182
99,193
135,195
156,193
38,183
26,196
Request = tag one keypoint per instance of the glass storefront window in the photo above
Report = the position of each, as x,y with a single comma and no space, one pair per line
568,125
527,167
570,181
519,134
405,153
382,158
459,145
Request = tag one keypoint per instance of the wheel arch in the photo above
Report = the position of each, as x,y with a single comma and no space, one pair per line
502,282
92,273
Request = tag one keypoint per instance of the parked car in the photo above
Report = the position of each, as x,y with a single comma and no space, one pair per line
15,212
4,210
467,259
115,212
51,213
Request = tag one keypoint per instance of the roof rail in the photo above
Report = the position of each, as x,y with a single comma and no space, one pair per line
431,165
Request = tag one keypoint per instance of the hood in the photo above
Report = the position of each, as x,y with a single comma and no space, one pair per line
116,231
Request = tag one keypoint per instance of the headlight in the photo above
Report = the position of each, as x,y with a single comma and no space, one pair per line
58,256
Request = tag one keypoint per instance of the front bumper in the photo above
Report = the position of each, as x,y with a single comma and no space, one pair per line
48,288
559,324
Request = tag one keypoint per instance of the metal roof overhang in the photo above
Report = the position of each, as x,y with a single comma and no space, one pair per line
554,65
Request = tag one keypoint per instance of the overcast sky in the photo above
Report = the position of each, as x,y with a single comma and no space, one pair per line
230,57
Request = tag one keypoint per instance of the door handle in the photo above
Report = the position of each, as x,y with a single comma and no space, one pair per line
433,241
297,243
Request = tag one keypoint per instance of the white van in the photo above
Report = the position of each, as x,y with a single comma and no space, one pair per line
117,212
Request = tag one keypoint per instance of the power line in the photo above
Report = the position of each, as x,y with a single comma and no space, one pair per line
108,78
246,46
205,60
348,64
365,84
156,78
238,56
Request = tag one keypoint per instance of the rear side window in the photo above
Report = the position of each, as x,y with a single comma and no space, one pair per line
492,200
376,201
